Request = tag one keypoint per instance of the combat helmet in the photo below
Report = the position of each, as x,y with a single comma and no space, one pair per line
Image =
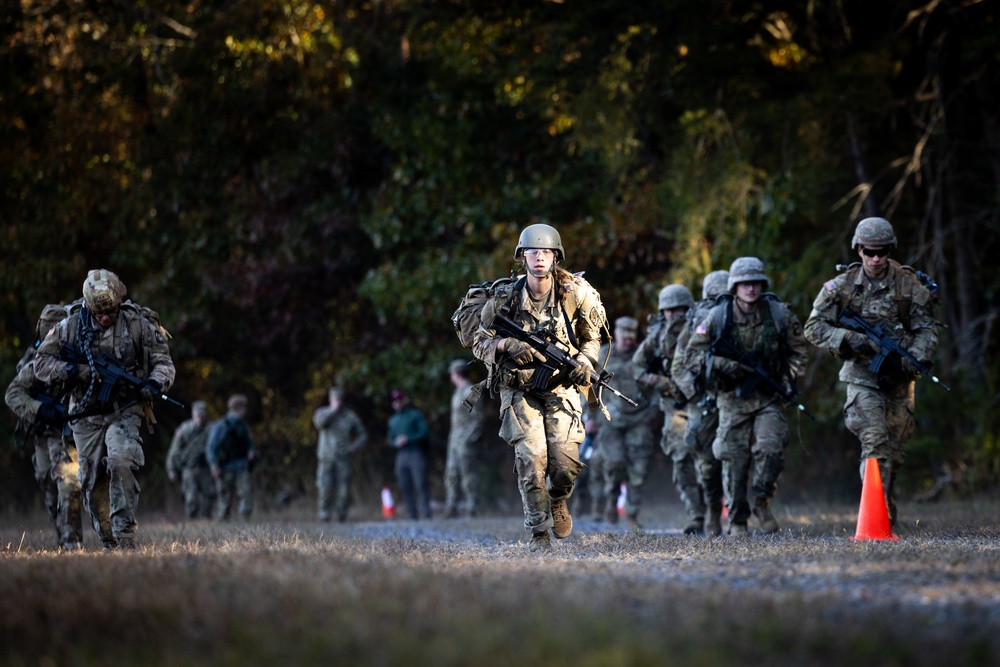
103,291
540,236
746,270
714,284
675,296
873,231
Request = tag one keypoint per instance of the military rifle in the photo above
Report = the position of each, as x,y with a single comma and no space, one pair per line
887,343
112,374
726,348
555,358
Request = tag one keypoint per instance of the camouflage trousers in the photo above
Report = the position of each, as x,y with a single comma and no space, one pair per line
883,422
333,484
234,483
110,453
684,458
750,444
198,489
461,476
56,471
626,451
545,431
702,424
588,493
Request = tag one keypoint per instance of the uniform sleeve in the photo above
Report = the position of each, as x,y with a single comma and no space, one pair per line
683,375
484,345
647,365
322,417
591,321
923,327
212,446
821,326
18,398
360,432
161,366
797,348
48,366
176,446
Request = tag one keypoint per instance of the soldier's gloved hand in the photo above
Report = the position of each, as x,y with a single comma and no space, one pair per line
522,353
647,379
581,374
910,368
153,389
859,344
729,367
49,413
82,374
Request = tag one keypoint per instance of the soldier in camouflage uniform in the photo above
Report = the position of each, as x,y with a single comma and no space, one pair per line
652,367
42,426
341,434
752,434
186,459
108,443
544,426
878,409
626,441
230,452
461,474
703,415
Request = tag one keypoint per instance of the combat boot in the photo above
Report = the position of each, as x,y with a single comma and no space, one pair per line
762,510
540,542
713,522
562,522
695,526
126,544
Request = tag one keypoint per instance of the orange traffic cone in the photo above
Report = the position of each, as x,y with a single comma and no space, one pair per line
388,505
725,511
622,498
873,515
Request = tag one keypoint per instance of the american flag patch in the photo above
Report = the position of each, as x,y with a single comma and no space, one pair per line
701,330
830,285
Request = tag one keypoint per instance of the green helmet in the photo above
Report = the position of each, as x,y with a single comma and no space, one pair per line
675,296
540,236
103,291
714,284
873,231
746,270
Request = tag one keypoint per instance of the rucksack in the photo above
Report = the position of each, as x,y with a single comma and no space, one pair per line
467,316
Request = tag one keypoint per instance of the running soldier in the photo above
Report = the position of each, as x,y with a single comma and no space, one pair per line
186,459
703,415
461,474
341,435
652,367
879,407
108,440
753,433
543,425
42,426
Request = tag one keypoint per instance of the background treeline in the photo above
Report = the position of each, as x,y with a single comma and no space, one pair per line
303,190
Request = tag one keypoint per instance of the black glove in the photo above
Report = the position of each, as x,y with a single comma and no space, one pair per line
522,353
151,389
51,414
910,368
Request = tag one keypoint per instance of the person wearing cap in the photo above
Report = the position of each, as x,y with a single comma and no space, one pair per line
625,443
341,434
186,459
543,422
878,408
40,409
408,434
753,433
108,441
702,413
230,451
461,470
652,368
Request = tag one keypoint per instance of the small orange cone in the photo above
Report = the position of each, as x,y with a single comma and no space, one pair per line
622,497
873,515
388,505
725,511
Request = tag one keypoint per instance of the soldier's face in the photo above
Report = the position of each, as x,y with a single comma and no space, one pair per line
539,261
874,258
106,319
625,341
749,292
671,313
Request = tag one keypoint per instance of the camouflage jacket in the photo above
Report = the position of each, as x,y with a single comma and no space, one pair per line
652,361
466,426
187,449
340,432
690,377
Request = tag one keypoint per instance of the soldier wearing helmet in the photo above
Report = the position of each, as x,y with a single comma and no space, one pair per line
465,434
341,435
40,408
108,441
752,433
702,413
186,459
878,408
543,426
652,367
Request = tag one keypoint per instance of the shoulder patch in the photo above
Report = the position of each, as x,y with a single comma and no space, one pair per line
701,330
830,285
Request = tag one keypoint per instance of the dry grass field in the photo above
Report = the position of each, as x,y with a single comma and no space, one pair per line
287,590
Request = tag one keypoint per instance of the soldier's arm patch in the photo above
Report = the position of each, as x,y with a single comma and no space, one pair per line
596,317
830,285
701,330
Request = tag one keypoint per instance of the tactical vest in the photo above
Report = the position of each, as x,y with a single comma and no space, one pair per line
907,281
775,323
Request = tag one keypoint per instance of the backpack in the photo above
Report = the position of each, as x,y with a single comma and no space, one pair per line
466,317
234,443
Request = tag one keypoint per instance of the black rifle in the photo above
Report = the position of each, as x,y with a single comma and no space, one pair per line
556,359
887,343
111,375
725,347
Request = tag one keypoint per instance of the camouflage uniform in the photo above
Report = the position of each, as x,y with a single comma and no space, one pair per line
230,451
878,410
625,443
54,459
652,366
752,433
341,434
109,444
186,458
461,475
544,427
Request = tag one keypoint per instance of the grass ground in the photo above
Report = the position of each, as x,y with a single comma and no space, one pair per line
285,589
